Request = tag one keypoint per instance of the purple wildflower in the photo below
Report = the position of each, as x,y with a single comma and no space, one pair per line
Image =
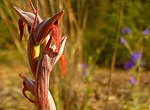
128,65
135,56
84,66
84,73
122,41
84,69
145,32
132,80
125,30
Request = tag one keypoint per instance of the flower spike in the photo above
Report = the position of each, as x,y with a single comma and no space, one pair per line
42,55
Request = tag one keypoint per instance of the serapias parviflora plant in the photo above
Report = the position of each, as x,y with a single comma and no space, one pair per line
42,54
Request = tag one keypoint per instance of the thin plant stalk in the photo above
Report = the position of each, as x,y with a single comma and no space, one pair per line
112,69
77,26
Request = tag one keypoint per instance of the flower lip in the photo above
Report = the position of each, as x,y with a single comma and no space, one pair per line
44,28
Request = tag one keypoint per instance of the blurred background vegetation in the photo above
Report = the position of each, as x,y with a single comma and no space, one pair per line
90,27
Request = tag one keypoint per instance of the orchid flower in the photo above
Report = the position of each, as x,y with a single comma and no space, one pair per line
42,55
41,34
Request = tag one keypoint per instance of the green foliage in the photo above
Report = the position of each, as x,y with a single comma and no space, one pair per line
104,23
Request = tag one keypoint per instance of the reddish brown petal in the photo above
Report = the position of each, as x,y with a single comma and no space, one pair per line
51,54
63,64
44,28
32,55
63,41
56,36
33,50
21,28
24,93
27,17
28,85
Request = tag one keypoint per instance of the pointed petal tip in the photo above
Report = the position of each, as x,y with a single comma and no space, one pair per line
18,10
22,76
57,16
63,42
64,39
14,7
62,12
63,65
